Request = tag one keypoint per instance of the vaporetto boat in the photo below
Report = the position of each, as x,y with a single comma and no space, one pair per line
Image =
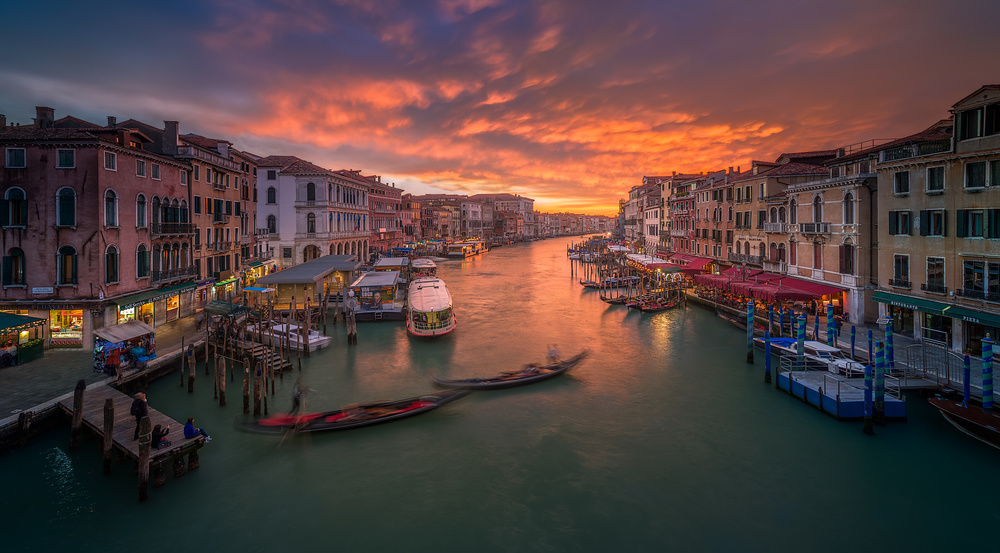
430,309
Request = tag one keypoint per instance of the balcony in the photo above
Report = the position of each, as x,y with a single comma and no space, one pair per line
172,229
175,274
934,288
751,260
190,152
219,246
221,218
977,294
814,228
916,150
776,227
679,233
245,239
775,266
900,283
263,232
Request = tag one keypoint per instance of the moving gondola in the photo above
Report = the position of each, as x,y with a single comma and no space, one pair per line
657,306
354,416
527,375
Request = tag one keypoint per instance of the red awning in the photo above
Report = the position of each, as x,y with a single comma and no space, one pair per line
773,292
680,257
707,280
697,265
815,288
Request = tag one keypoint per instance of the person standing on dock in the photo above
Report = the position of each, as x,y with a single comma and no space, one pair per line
139,409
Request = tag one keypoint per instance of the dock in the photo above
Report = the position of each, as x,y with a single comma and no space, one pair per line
837,395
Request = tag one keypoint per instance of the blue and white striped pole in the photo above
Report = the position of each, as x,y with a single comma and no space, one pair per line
816,327
767,356
781,321
801,342
987,373
890,359
854,335
868,428
966,384
750,331
879,383
829,325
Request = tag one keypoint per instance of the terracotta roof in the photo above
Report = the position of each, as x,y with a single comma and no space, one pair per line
790,169
28,132
276,161
816,153
202,142
302,167
942,130
70,122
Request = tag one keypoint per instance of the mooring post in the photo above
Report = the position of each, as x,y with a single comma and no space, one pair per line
189,359
76,427
178,466
987,374
246,389
879,383
767,356
221,364
816,327
145,429
23,426
193,461
854,334
257,383
215,375
829,325
109,432
750,331
183,362
770,317
871,351
868,428
801,343
159,475
208,324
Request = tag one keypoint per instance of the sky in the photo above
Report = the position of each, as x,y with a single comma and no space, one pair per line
569,102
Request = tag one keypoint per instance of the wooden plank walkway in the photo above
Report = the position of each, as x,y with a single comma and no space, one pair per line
124,429
264,354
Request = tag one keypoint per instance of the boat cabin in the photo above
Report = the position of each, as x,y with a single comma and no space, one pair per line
399,264
422,267
374,296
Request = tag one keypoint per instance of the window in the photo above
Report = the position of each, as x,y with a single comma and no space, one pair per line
110,209
818,209
197,172
901,268
208,175
969,223
739,219
197,205
817,255
111,265
793,250
15,212
155,171
286,253
272,195
66,265
66,159
932,222
901,182
974,278
140,168
310,192
747,196
899,222
227,180
184,178
16,158
848,209
66,207
761,217
272,175
140,211
970,124
993,223
975,174
229,207
14,273
847,259
935,180
793,215
110,161
272,224
935,274
142,261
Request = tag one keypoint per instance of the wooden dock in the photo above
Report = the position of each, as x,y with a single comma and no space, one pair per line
264,354
124,426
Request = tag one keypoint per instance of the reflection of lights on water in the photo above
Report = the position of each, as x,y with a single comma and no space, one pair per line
70,498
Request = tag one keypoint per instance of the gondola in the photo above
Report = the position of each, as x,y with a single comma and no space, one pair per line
527,375
972,420
354,417
657,307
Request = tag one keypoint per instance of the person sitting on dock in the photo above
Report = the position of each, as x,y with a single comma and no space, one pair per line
159,436
190,431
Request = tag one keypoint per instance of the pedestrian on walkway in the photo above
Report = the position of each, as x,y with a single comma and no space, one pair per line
199,319
139,409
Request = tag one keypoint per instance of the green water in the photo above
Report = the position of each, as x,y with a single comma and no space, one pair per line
664,439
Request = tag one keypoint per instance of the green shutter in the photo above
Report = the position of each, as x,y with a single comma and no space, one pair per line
4,213
74,270
944,222
925,223
8,270
909,223
993,223
961,223
893,220
24,212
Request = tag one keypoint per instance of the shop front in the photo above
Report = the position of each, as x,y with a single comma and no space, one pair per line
255,270
66,328
910,316
19,340
977,325
123,346
143,313
226,289
155,307
203,293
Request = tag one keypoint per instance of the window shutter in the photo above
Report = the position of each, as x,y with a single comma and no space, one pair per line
925,223
944,222
893,222
74,270
4,213
993,223
909,223
8,270
961,223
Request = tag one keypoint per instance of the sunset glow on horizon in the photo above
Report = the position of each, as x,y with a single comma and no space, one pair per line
569,103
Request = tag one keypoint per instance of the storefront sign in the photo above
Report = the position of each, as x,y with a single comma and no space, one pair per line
43,290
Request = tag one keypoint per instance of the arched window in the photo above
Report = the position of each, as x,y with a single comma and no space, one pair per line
792,251
793,216
110,209
66,265
14,270
157,215
17,210
111,265
781,214
781,252
272,195
140,211
311,223
848,209
310,192
142,261
66,207
174,215
818,209
762,250
774,252
272,224
156,258
774,215
183,213
730,214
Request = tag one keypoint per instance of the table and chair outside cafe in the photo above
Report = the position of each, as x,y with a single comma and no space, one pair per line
19,339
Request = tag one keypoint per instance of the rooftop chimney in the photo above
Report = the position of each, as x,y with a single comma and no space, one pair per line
673,174
3,121
168,144
730,169
112,121
44,117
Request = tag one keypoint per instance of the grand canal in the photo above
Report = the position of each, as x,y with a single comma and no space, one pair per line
664,439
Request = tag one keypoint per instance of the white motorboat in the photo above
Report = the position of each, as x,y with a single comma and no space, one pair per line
275,335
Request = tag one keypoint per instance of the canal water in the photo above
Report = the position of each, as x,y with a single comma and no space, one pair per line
664,439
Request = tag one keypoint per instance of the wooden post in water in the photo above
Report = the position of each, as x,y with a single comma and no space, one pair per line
109,433
215,373
262,388
189,359
183,361
257,378
178,466
159,475
145,429
76,427
221,368
193,461
24,425
879,383
208,325
767,356
304,329
246,389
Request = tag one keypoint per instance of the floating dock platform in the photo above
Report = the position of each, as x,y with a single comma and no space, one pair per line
842,397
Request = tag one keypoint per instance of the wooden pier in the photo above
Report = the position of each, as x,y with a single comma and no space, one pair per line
842,397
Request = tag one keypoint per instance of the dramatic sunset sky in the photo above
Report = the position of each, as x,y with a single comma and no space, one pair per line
569,102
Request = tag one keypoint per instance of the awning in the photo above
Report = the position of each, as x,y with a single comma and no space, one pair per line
773,292
738,272
697,265
680,257
255,264
150,296
257,289
11,322
816,288
124,331
978,317
927,306
227,281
